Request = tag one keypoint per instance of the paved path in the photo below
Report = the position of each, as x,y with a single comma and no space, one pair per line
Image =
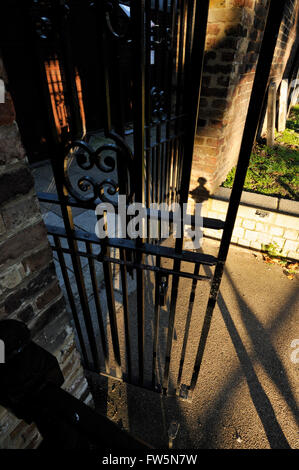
248,390
247,393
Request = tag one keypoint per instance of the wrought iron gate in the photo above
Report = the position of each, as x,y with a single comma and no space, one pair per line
150,55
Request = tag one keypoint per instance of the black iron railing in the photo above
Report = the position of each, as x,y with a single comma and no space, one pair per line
146,155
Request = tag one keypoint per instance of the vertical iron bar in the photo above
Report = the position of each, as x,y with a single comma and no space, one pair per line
273,22
156,324
124,285
68,70
148,105
71,299
192,88
187,324
101,15
104,47
138,27
97,304
111,310
58,164
180,10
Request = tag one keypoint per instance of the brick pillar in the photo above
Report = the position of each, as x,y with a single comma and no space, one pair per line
234,36
29,290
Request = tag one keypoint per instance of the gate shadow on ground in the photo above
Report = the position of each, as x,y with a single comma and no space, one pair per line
264,353
148,415
267,356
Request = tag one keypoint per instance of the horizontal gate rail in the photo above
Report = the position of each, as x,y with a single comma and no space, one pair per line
208,222
146,248
131,264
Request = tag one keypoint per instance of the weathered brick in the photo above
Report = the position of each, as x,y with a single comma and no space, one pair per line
218,15
209,55
215,92
251,236
250,224
227,56
2,225
237,3
206,80
14,301
293,255
249,3
223,81
291,234
260,10
12,277
19,212
211,42
203,103
14,183
217,3
220,104
265,238
239,232
291,246
213,113
26,314
259,24
199,141
277,231
244,242
213,29
261,227
219,68
229,43
237,30
287,221
10,144
256,245
47,316
50,294
26,240
7,111
36,261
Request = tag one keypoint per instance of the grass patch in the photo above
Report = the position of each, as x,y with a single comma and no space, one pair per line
274,170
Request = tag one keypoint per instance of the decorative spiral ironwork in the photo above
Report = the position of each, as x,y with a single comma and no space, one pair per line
109,6
158,105
87,158
46,16
43,26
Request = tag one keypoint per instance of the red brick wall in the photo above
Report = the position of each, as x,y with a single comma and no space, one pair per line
234,35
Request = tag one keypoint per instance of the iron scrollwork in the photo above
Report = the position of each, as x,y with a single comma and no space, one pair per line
158,104
86,159
45,16
109,7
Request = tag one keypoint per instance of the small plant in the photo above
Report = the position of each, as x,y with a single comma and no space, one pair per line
272,249
274,255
